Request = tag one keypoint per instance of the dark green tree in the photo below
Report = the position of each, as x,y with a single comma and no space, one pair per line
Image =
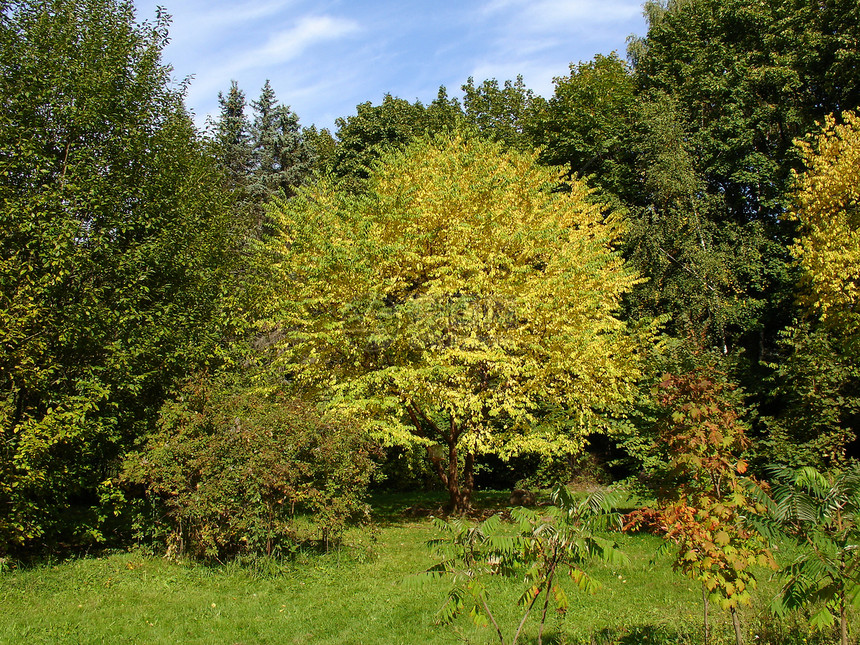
321,147
280,157
374,129
588,127
443,114
751,78
744,80
814,404
707,273
502,113
114,232
231,134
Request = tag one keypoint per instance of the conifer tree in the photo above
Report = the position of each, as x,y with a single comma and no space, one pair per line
280,157
232,136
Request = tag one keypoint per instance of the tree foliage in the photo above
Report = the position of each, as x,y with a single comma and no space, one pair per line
229,470
820,512
815,405
588,126
745,79
502,113
701,509
751,77
231,135
827,205
261,156
280,157
460,302
114,241
363,138
708,274
813,410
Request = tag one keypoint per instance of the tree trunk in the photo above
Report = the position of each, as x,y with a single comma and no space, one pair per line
736,623
459,492
548,591
705,606
453,480
843,620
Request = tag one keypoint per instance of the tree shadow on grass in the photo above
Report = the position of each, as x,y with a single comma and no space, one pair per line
637,635
401,508
640,635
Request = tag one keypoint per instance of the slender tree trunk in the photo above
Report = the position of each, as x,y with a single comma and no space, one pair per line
271,521
468,484
736,623
493,620
843,620
453,477
707,634
525,616
548,590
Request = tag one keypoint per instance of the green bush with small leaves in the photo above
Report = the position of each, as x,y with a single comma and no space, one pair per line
233,471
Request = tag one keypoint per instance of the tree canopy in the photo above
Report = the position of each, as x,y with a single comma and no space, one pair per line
461,302
827,205
114,238
474,277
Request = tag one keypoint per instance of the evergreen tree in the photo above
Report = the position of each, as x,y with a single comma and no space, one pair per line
281,161
232,137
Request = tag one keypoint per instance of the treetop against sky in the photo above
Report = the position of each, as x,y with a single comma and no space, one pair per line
325,57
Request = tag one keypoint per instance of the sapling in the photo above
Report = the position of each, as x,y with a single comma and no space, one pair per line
538,547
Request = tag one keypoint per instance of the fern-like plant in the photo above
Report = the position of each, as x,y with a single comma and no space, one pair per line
538,547
821,513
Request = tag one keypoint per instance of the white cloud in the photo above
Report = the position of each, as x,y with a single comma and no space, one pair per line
558,15
280,47
290,43
530,37
236,13
325,56
198,20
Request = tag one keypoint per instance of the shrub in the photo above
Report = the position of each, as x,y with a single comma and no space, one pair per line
230,470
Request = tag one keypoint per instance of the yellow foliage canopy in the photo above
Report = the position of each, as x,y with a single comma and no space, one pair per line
827,204
463,287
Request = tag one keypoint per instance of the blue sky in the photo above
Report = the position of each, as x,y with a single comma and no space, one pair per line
326,56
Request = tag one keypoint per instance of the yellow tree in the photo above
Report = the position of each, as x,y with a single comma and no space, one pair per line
827,205
462,301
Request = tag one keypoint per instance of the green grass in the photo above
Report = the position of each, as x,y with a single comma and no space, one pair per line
354,595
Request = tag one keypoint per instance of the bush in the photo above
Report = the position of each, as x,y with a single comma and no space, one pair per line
230,470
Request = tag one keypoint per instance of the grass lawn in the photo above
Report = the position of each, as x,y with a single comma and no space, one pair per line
354,595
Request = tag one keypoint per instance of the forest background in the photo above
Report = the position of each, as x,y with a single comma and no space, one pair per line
205,334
